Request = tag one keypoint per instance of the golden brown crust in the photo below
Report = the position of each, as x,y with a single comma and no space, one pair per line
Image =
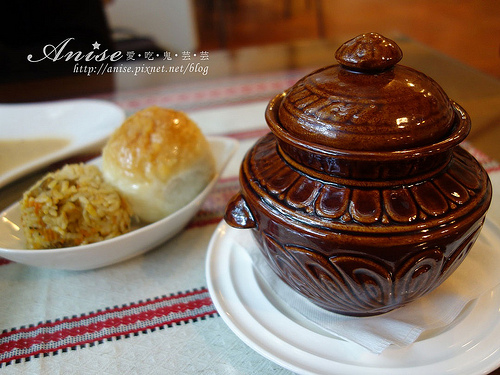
159,160
155,143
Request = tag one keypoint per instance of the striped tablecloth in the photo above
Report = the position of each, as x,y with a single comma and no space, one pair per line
151,314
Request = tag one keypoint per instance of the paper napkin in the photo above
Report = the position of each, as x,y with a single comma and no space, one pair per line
479,273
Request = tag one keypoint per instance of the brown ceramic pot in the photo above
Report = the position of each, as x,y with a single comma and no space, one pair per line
361,198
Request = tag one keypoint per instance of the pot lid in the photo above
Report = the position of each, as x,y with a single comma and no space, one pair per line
367,102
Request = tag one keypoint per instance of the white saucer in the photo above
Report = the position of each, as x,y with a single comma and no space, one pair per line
84,123
267,325
104,253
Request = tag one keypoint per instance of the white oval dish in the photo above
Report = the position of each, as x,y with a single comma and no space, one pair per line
85,123
104,253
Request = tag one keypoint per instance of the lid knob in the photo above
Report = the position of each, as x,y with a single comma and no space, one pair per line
369,53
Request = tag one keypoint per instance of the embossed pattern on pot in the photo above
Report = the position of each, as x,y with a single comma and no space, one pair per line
357,230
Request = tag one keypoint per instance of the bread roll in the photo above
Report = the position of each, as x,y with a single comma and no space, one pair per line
159,160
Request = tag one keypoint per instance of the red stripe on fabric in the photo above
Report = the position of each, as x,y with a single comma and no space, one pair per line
4,261
228,179
106,337
248,134
203,223
233,85
26,343
212,210
103,312
55,341
217,94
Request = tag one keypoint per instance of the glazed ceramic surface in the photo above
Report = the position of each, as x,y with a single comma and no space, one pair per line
361,198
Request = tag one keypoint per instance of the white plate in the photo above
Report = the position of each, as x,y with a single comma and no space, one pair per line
128,245
267,325
85,123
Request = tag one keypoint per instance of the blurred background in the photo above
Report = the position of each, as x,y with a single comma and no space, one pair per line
261,36
241,36
468,30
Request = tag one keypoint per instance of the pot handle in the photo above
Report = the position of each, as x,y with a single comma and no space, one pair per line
238,214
